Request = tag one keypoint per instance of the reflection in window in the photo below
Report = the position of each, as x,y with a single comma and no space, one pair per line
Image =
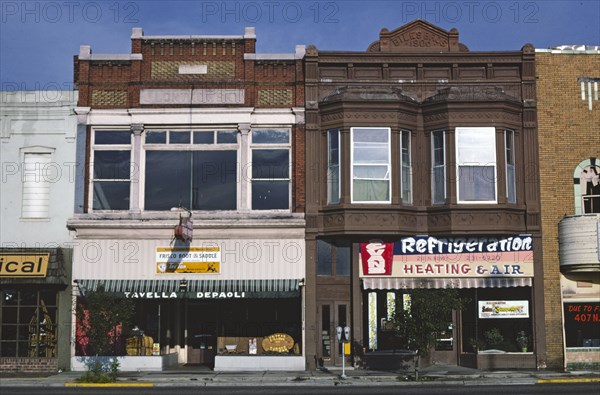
406,175
199,180
28,323
511,193
370,165
333,166
438,165
476,164
111,180
590,189
270,169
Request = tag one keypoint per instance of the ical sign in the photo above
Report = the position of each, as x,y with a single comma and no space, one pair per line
24,265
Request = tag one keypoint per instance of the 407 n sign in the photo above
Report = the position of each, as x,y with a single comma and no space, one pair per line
582,312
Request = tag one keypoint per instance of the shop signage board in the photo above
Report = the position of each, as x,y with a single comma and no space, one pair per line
198,260
189,295
503,309
428,256
24,265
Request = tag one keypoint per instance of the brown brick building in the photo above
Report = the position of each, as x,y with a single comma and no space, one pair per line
204,134
569,137
422,154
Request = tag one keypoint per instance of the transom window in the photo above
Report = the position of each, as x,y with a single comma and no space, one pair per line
370,156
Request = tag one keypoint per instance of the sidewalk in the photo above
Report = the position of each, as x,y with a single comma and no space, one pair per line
197,377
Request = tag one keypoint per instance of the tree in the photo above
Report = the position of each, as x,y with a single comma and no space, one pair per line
418,322
102,317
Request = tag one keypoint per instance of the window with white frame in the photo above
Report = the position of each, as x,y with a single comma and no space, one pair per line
476,164
38,174
406,174
190,168
111,169
438,166
333,166
587,187
371,168
270,169
509,146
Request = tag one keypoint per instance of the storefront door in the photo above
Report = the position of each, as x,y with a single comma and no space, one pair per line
201,333
447,345
332,315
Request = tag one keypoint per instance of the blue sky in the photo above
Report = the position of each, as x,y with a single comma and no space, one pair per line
39,38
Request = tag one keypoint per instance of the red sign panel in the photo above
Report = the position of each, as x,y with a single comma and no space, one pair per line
377,258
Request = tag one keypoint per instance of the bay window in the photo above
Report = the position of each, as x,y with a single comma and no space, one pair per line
438,165
333,166
476,164
370,157
509,146
406,174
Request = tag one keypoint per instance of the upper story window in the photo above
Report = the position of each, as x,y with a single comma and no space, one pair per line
270,169
370,170
333,258
587,187
111,173
190,169
38,174
406,174
509,147
196,169
333,166
438,166
476,164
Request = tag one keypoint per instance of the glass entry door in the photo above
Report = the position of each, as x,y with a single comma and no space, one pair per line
331,315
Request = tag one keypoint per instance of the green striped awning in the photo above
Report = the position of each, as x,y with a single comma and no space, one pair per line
256,288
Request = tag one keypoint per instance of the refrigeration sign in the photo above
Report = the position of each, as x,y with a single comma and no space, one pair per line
428,256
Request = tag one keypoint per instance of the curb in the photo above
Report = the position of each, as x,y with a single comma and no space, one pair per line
104,385
578,380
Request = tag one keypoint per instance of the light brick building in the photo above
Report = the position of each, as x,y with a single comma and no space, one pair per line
569,140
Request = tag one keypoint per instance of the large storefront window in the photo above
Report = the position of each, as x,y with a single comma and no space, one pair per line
28,323
582,324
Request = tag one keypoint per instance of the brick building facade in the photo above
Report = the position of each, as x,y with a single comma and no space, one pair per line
197,128
569,137
419,141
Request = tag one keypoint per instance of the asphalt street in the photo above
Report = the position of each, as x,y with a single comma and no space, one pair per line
550,388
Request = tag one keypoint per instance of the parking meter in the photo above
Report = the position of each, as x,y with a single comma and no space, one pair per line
347,333
338,332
